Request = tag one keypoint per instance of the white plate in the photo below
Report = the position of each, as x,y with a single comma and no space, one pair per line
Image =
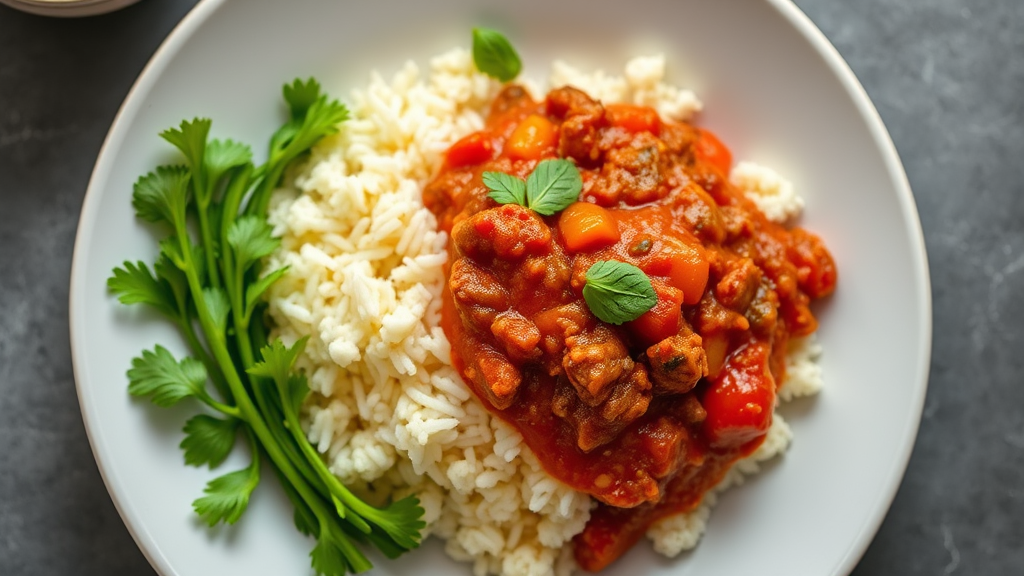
774,89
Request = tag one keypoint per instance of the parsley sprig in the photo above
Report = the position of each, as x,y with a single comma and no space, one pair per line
552,186
209,281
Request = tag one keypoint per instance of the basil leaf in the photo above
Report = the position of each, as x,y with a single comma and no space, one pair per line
494,55
552,186
505,188
618,292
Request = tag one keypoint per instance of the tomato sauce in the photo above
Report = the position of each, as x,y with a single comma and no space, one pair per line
648,415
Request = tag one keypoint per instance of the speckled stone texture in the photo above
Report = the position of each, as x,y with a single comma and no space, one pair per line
947,77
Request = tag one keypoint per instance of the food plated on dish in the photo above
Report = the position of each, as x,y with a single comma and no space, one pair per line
342,414
560,330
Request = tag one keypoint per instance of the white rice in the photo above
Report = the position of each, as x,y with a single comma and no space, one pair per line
366,272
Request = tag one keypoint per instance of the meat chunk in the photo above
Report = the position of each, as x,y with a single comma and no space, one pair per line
713,318
677,363
632,173
510,98
578,136
477,293
508,231
496,376
692,411
664,440
598,425
543,274
517,334
763,311
595,360
697,210
739,285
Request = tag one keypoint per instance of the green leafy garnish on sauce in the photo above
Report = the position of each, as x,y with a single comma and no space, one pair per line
209,281
505,188
552,186
494,55
618,292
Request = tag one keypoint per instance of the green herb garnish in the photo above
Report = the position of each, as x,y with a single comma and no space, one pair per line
618,292
552,186
209,281
505,188
494,55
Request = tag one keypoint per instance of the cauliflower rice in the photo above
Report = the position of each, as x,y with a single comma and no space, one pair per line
366,270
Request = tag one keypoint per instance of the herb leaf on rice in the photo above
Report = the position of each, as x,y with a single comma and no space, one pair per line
209,282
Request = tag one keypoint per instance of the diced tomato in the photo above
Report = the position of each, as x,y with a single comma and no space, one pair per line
535,137
710,149
585,227
685,266
663,320
633,118
470,150
739,402
816,270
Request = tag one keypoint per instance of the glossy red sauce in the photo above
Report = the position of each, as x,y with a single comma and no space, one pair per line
648,415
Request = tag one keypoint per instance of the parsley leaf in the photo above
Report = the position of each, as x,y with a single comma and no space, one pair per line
494,55
162,195
134,284
218,305
209,276
251,238
190,138
618,292
223,155
553,185
300,96
254,292
402,520
157,373
227,496
505,188
166,271
313,117
278,360
208,440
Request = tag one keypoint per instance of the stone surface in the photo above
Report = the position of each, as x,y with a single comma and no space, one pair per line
947,77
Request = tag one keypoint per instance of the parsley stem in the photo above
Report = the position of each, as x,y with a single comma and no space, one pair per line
222,408
208,243
331,482
185,324
261,197
273,416
249,413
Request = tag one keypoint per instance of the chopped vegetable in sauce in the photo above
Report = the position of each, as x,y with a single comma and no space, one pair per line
636,335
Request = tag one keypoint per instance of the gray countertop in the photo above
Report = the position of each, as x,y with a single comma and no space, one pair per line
947,77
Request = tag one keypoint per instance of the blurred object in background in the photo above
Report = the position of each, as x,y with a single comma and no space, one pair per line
68,8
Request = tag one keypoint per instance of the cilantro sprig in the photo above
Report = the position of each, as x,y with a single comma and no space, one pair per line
552,186
618,292
208,280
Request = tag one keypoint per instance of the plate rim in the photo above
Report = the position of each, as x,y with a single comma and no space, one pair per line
794,16
912,223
